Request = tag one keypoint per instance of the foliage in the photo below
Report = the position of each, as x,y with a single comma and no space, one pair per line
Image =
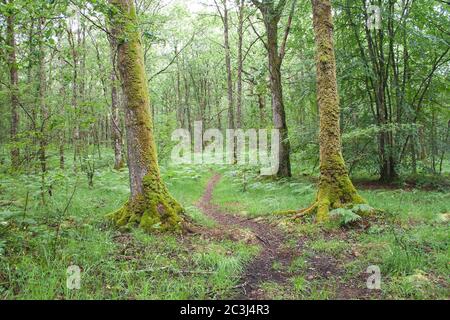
345,216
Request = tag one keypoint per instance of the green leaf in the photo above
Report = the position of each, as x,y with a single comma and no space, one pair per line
345,216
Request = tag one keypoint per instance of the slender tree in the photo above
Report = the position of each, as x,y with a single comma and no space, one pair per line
75,63
115,115
43,108
14,81
241,7
150,205
272,15
225,20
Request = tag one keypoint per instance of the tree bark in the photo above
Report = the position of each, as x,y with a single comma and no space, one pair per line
262,109
150,205
240,65
61,131
272,16
116,134
335,187
279,115
42,103
383,115
231,124
14,90
75,62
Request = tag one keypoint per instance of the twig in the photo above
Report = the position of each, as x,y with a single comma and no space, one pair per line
262,240
173,59
63,214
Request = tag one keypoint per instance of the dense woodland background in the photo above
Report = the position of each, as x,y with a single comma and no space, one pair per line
62,124
59,92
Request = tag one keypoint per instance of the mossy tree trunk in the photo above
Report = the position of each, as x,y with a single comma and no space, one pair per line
150,205
335,188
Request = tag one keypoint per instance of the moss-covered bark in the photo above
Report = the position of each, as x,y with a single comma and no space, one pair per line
153,210
335,188
150,205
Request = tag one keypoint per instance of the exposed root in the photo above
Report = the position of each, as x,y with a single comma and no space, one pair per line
304,212
154,210
297,214
286,212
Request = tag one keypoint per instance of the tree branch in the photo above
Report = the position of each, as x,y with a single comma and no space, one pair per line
258,35
172,60
287,31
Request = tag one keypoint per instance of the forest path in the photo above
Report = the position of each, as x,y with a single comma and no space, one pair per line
261,269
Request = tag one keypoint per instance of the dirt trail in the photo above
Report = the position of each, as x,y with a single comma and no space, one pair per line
271,239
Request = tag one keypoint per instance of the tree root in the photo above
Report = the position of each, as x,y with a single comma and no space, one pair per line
298,213
304,212
286,212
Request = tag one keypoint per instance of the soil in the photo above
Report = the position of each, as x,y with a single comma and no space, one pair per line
271,240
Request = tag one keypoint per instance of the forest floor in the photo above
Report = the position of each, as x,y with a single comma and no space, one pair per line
271,240
241,250
272,265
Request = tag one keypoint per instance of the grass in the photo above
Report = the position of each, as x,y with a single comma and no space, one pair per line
413,206
408,239
39,244
331,247
242,191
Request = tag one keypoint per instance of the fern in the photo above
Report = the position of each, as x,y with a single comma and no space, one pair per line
345,216
363,209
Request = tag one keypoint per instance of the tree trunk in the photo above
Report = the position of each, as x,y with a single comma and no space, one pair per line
61,132
272,15
14,91
433,141
187,108
279,115
115,119
380,66
76,129
42,103
180,108
447,135
262,109
240,65
150,205
413,155
61,150
335,188
231,124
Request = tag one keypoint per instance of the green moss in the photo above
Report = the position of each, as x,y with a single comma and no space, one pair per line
336,190
324,58
154,210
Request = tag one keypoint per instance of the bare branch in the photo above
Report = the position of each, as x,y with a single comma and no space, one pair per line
287,31
258,35
173,59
